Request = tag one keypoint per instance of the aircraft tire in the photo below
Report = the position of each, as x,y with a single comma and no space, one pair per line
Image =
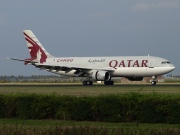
90,82
84,82
108,82
153,82
87,83
112,82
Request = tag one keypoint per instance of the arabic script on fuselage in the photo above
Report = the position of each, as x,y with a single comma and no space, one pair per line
96,60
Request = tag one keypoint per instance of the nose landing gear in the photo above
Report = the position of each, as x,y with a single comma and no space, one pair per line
153,82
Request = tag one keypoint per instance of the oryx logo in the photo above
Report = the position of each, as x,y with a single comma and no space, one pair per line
35,50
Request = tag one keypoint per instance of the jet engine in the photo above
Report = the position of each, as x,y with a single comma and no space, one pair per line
101,76
135,78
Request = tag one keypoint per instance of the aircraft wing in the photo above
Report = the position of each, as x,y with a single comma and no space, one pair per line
74,67
67,68
80,71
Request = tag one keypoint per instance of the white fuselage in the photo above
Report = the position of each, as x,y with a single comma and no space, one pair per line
124,66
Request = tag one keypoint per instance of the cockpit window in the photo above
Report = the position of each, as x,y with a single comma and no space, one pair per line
165,62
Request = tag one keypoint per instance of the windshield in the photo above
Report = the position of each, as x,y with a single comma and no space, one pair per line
165,62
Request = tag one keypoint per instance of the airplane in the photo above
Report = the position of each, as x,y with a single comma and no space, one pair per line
104,69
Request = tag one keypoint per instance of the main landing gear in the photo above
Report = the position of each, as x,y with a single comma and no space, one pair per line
154,80
87,82
91,82
108,82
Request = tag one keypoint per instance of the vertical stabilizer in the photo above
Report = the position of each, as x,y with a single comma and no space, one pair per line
36,50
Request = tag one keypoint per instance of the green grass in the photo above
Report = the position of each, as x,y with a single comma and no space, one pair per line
80,90
51,123
49,127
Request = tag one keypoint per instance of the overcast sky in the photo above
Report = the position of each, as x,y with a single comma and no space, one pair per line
89,28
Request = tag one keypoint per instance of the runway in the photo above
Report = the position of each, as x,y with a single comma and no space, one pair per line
80,84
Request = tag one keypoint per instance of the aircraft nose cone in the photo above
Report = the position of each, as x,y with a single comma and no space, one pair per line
172,67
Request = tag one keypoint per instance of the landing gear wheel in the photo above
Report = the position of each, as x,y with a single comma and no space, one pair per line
153,82
84,82
108,82
87,83
91,83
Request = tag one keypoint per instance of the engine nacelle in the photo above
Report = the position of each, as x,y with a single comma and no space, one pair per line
101,76
135,78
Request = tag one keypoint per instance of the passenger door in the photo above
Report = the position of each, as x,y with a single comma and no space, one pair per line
151,63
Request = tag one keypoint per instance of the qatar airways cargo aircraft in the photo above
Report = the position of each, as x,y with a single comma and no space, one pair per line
95,68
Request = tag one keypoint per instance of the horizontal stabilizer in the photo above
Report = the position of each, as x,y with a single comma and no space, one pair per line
15,59
26,61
